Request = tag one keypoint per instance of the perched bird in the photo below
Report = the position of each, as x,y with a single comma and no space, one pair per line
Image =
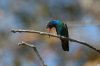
62,30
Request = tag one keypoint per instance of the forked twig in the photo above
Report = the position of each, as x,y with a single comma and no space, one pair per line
35,49
58,36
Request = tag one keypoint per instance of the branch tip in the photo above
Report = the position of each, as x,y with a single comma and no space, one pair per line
13,31
35,49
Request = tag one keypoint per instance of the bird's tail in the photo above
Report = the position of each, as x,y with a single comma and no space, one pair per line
65,44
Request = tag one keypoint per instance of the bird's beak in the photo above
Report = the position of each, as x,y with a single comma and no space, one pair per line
49,31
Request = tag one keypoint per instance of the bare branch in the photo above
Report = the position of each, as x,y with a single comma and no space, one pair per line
58,36
35,49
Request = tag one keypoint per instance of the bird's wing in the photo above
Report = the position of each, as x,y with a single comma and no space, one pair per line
66,29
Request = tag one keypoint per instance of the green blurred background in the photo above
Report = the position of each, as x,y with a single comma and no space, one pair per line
81,16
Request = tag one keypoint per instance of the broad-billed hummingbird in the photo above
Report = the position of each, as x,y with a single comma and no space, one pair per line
61,30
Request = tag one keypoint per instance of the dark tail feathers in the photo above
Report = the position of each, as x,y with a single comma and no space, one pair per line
65,44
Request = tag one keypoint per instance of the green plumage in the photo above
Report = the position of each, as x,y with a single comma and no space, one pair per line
62,30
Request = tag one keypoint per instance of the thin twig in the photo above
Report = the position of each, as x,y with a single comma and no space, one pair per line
35,49
58,36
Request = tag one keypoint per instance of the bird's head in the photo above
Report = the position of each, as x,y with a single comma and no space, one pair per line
51,24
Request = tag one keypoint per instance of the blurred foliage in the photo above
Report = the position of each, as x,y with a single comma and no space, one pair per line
81,16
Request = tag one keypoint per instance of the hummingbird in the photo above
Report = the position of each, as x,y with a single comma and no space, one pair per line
61,30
